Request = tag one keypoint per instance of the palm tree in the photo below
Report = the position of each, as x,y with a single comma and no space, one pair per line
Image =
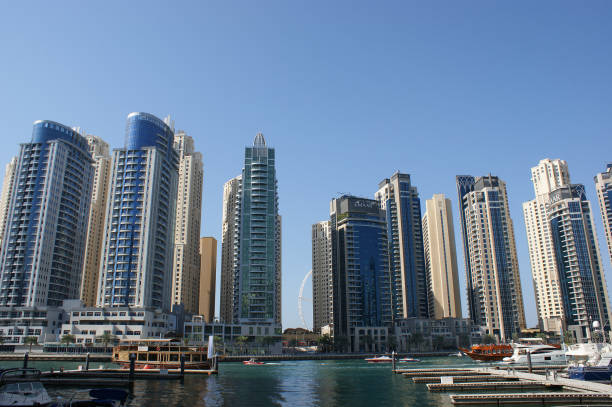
68,339
268,341
391,342
488,339
30,340
325,341
464,340
417,339
340,343
568,338
242,340
107,338
437,342
218,342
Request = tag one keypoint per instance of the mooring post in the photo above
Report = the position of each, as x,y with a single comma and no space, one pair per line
393,361
25,360
87,361
182,364
529,361
132,367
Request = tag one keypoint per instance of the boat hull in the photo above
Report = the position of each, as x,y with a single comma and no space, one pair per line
166,365
590,373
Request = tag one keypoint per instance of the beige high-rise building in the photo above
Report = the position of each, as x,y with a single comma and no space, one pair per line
99,151
547,176
230,247
186,267
603,185
441,259
495,298
322,278
7,187
208,277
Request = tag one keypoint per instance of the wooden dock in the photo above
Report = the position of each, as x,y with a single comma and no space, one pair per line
542,399
479,386
464,379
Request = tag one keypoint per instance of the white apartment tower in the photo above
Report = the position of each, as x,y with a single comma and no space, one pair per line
495,299
230,247
322,278
7,187
441,259
99,151
186,267
603,185
547,176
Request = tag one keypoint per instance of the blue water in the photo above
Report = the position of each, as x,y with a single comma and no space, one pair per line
290,383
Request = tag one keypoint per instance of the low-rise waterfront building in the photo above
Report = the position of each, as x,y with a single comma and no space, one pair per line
428,334
42,322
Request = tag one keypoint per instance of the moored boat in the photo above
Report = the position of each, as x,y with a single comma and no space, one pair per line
160,354
409,359
538,353
23,393
489,353
379,359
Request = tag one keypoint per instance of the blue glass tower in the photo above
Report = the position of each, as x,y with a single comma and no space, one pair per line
259,274
583,288
44,239
360,265
400,201
138,244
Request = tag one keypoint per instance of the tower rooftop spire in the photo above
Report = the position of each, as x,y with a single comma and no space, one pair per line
259,141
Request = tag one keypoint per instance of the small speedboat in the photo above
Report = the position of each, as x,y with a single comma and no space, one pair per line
408,359
23,393
458,354
251,362
379,359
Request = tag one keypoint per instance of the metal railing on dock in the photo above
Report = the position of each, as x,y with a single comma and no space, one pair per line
539,398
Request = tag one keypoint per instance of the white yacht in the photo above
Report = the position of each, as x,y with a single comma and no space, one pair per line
539,354
23,393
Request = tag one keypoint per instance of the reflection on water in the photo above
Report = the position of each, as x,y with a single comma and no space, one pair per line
291,383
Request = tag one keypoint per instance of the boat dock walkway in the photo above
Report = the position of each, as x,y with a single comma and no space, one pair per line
542,386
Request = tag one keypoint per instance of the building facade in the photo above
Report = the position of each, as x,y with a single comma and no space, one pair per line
400,201
5,198
495,298
252,265
230,249
582,284
322,278
138,246
99,151
441,259
603,186
44,239
547,176
360,261
208,277
186,267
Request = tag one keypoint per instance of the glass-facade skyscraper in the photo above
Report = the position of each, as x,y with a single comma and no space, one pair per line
46,224
138,245
603,185
582,284
251,267
360,266
495,299
402,205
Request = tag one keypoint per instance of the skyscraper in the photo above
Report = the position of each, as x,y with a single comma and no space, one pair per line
230,248
138,245
441,258
46,226
582,284
208,277
186,268
251,245
322,276
547,176
400,201
495,299
603,185
362,290
98,149
7,190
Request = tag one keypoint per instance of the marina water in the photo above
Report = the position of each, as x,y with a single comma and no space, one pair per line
287,383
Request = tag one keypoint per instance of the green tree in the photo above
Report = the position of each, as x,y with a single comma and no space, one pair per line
68,339
219,343
391,342
568,338
269,341
437,342
30,340
242,340
325,341
488,339
464,340
417,339
340,343
106,338
515,336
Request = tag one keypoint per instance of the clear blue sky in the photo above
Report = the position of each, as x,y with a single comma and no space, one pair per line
347,93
